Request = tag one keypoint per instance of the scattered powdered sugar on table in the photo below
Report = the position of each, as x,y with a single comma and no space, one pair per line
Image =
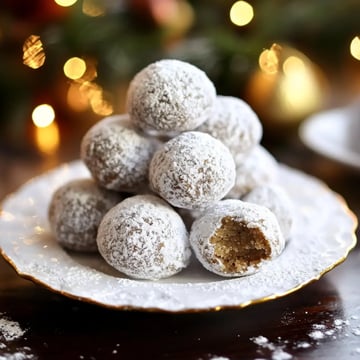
322,331
277,351
9,329
17,356
317,334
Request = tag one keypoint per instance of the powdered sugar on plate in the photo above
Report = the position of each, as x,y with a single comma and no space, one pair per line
316,246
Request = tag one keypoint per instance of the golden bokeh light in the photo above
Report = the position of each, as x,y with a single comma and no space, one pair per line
269,59
65,3
74,68
43,115
101,106
241,13
299,88
76,98
93,8
355,47
175,17
81,96
91,71
33,52
90,89
47,139
293,65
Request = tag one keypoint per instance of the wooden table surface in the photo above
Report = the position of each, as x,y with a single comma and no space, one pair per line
320,321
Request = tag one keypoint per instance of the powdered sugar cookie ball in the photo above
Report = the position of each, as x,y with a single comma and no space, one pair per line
192,170
170,95
235,124
116,154
258,168
275,199
144,238
235,238
75,212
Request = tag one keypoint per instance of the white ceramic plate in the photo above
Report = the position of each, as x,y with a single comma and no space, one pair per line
335,134
318,244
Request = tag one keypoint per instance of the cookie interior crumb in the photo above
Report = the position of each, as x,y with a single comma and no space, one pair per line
238,246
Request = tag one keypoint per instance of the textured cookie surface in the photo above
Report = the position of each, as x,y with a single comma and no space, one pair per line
258,168
170,95
144,238
75,212
116,154
235,124
192,170
235,238
275,199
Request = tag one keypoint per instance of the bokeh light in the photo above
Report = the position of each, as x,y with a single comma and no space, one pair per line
175,17
65,3
269,59
47,138
43,115
298,88
74,68
94,95
241,13
355,47
93,8
76,99
293,65
33,52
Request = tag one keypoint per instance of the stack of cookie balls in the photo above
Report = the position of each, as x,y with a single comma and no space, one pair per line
181,172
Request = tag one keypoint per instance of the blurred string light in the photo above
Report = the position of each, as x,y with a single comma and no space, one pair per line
93,8
47,135
298,88
83,92
65,3
97,98
183,19
76,98
43,115
48,139
241,13
269,59
355,47
33,52
74,68
174,18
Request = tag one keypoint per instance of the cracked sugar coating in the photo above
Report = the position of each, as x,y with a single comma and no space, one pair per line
144,238
275,199
170,95
192,170
258,168
75,212
116,154
235,238
235,124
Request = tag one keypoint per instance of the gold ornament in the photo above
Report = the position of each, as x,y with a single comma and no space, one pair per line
286,88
